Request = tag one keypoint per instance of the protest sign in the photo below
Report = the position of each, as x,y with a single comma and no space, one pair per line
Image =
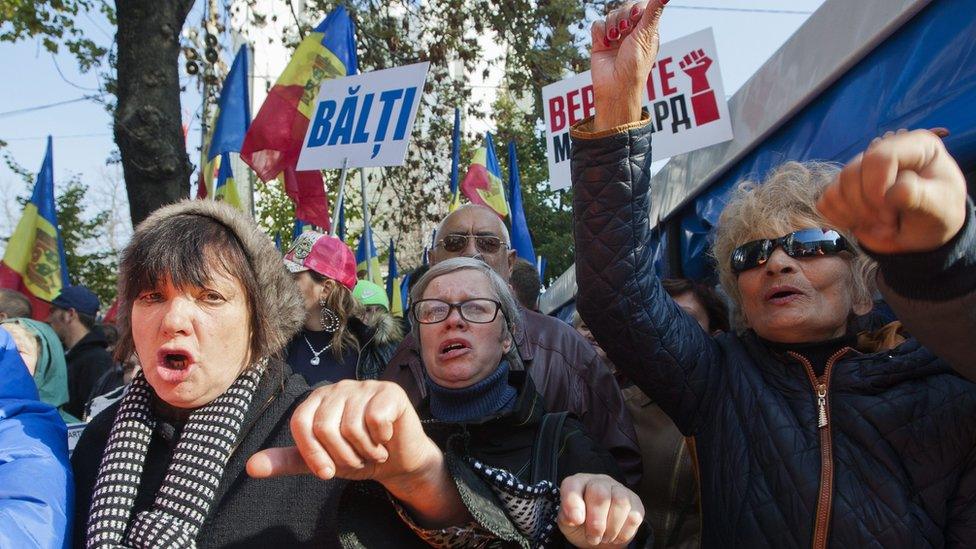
364,118
74,435
683,94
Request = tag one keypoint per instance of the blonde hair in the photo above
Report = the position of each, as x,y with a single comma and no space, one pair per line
784,202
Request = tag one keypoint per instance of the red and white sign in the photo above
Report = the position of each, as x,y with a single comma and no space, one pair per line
684,96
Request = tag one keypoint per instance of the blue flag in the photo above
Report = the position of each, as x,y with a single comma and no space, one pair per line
234,114
366,257
521,239
34,262
297,229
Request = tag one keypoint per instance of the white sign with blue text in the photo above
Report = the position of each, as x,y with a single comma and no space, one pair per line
364,118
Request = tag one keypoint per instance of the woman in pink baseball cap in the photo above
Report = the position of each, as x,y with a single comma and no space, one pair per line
334,344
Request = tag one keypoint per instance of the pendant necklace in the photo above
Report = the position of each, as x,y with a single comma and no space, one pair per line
315,360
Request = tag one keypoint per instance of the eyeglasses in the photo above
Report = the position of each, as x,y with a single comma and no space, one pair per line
485,244
478,311
803,243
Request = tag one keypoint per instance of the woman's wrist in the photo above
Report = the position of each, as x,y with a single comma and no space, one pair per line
429,493
619,112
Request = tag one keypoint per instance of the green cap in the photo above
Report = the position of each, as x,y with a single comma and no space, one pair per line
370,293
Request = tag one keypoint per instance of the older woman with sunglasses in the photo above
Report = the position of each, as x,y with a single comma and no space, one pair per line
806,432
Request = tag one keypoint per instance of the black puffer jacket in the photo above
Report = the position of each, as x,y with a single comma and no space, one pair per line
893,466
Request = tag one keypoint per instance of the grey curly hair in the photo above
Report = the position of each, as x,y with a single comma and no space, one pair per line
784,202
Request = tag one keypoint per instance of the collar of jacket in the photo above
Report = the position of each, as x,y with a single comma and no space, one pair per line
276,396
526,351
94,338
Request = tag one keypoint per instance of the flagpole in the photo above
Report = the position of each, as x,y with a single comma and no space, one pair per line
342,191
366,228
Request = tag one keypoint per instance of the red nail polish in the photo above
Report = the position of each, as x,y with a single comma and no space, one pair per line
623,25
663,2
606,43
635,12
613,34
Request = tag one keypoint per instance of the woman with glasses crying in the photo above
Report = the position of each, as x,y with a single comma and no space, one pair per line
807,433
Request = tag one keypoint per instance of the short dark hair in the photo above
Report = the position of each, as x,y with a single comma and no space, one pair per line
525,281
15,304
715,307
88,321
185,249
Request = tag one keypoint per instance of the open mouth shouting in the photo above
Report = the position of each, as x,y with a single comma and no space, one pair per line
174,365
453,348
782,295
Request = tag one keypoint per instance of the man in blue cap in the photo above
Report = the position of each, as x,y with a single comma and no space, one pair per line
73,318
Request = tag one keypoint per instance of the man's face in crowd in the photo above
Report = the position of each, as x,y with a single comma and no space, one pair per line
476,221
59,320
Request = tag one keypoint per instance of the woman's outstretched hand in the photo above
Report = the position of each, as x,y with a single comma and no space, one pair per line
903,194
624,49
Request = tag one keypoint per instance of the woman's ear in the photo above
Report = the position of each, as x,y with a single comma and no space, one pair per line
506,341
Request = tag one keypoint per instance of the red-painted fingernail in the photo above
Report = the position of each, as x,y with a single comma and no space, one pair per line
663,2
606,42
635,12
623,25
613,34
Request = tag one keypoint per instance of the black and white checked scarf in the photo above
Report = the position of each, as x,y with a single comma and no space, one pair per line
184,499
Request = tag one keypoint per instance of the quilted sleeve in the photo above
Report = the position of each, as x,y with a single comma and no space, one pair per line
645,334
934,295
961,526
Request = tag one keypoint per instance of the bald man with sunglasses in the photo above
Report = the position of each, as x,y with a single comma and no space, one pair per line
565,369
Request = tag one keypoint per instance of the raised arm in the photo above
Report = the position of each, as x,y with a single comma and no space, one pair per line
663,350
905,200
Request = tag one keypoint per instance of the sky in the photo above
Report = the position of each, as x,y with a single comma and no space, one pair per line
747,32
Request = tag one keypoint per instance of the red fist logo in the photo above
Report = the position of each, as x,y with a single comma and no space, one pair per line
703,103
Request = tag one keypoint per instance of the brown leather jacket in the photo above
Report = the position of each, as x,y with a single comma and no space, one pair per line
669,487
567,373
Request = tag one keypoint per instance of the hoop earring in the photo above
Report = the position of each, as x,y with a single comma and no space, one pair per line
330,320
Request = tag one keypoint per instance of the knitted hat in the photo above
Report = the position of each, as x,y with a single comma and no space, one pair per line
279,306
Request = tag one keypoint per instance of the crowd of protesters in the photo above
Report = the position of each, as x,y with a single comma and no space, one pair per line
247,399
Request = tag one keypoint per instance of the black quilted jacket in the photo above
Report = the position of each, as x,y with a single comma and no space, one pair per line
892,461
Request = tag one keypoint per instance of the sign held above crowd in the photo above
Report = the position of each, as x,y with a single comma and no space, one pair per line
365,119
684,96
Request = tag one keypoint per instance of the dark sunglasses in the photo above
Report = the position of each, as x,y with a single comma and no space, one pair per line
804,243
485,244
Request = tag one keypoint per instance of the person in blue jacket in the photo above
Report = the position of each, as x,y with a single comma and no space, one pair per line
36,488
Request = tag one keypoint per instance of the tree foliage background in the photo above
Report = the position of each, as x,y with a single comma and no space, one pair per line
543,41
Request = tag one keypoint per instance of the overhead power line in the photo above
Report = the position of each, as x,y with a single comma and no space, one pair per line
743,10
47,106
69,136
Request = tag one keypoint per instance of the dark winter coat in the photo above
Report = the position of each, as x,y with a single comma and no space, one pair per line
293,511
885,458
87,362
568,374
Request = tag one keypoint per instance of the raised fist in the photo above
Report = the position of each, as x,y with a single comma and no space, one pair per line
695,65
903,194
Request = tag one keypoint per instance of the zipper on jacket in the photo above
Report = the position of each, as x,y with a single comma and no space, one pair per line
821,387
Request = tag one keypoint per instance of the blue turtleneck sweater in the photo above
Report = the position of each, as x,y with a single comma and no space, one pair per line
490,396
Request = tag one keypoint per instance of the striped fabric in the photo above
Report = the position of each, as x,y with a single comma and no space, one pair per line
188,490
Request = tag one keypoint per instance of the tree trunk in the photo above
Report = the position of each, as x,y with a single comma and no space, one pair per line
148,119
